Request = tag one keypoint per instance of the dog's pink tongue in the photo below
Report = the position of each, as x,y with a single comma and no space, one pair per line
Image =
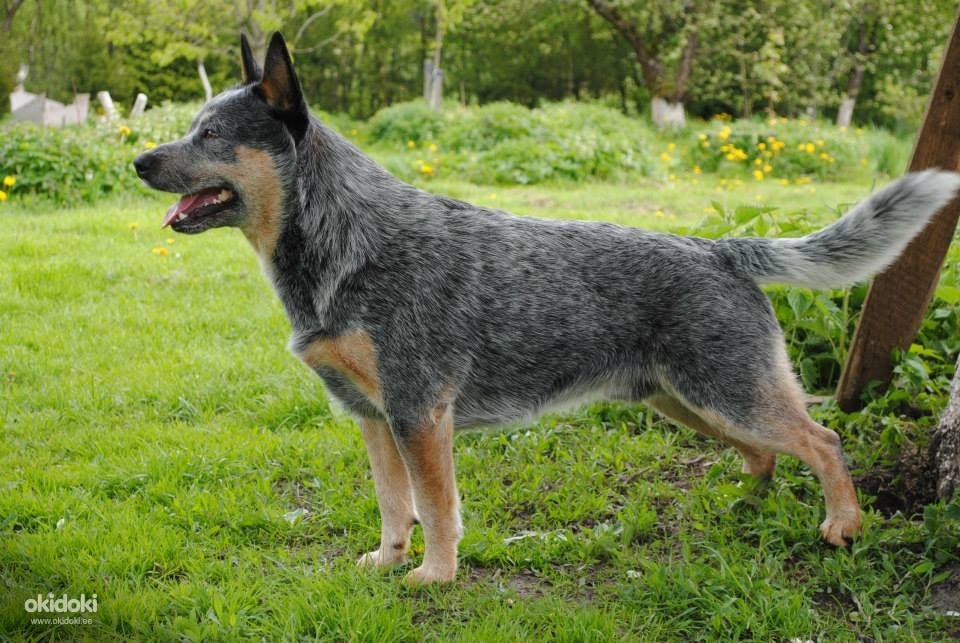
188,203
182,205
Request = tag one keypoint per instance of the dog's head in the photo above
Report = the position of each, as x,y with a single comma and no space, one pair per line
231,165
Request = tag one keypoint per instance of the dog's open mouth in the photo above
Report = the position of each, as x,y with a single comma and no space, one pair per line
197,205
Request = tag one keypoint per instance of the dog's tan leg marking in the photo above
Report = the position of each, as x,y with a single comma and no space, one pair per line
781,424
757,461
428,452
394,496
354,356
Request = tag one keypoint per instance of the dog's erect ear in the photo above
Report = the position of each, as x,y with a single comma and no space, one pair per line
248,64
281,89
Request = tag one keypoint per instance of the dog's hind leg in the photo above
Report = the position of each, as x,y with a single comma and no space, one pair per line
394,495
427,449
757,461
779,422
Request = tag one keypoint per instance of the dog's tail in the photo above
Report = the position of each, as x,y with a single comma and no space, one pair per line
863,242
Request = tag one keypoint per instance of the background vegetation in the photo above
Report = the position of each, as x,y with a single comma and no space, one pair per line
357,56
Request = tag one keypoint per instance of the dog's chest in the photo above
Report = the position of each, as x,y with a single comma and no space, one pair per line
353,356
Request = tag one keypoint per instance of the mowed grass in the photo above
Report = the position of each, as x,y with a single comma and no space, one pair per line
162,450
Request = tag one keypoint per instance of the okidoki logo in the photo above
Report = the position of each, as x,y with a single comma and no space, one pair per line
62,604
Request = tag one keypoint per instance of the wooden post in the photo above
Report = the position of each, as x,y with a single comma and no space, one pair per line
898,298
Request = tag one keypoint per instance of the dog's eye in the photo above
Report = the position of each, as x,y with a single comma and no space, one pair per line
209,133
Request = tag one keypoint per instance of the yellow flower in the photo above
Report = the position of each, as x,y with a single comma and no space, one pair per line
710,210
671,147
702,137
761,146
149,145
697,170
160,251
658,213
809,148
768,168
426,169
411,144
665,157
758,175
705,144
724,133
170,240
758,161
9,181
784,181
3,195
124,130
353,132
133,225
433,147
820,142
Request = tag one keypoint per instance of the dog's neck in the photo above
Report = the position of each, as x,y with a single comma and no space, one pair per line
338,209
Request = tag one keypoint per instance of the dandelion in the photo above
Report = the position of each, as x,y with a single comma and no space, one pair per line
809,147
3,195
133,225
820,142
724,133
768,168
426,169
433,147
125,131
758,161
702,136
149,145
665,157
784,181
9,181
411,144
705,144
353,131
710,210
160,251
671,147
758,175
697,170
761,146
170,240
658,213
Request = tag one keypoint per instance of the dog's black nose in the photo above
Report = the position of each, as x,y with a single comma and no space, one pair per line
143,163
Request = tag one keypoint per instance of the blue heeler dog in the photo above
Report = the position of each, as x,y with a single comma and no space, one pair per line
424,314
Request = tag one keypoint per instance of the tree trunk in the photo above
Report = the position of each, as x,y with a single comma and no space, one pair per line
207,89
945,444
845,115
665,113
435,95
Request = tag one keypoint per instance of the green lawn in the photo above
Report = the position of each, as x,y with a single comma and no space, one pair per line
162,450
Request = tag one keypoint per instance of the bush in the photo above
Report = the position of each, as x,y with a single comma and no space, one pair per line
787,149
509,144
85,163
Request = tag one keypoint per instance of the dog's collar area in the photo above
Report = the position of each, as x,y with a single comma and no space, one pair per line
202,202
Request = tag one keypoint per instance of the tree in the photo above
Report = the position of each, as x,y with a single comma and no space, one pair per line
670,34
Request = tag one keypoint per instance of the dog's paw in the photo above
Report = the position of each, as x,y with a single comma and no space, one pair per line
839,530
376,560
425,575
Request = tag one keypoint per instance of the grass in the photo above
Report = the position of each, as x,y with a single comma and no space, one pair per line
163,451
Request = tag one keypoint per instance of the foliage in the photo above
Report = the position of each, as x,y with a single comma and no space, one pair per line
86,163
360,56
506,143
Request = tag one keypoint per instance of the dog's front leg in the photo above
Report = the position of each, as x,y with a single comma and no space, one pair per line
394,496
427,449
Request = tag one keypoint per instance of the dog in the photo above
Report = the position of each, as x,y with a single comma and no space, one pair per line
424,314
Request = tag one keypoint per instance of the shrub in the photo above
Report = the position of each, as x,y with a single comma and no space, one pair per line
403,122
82,164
